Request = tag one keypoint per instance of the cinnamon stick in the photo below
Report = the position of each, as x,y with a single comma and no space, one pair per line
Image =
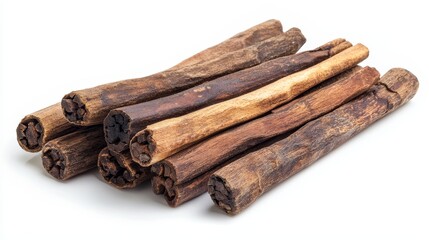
74,153
90,106
118,170
195,160
122,124
251,36
163,139
177,194
36,129
236,186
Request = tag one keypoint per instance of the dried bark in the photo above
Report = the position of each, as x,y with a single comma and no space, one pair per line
118,170
163,139
177,194
122,124
90,106
74,153
36,129
251,36
198,159
264,169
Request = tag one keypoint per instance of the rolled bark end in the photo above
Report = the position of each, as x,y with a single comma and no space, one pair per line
29,134
142,148
74,108
406,85
54,162
117,130
165,186
221,194
119,171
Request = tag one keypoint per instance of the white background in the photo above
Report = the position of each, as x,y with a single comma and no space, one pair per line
374,186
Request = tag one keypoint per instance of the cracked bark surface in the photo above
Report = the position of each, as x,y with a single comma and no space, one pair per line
163,139
266,168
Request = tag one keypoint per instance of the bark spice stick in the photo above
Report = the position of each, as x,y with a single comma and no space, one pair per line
118,170
37,128
177,194
263,169
167,137
200,158
74,153
241,40
90,106
123,123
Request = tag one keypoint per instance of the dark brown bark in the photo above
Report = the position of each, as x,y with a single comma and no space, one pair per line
184,175
165,138
118,170
251,36
177,194
238,185
90,106
123,123
36,129
216,150
74,153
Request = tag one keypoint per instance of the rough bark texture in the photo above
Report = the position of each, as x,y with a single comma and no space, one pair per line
236,186
198,159
90,106
74,153
118,170
163,139
176,194
123,123
251,36
36,129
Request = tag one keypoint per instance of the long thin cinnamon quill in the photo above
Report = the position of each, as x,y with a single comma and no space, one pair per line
163,139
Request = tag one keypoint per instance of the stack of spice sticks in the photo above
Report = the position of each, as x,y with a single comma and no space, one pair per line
233,120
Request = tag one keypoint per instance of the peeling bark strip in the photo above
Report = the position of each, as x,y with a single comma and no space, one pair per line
122,124
74,153
264,169
36,129
191,162
251,36
118,170
90,106
163,139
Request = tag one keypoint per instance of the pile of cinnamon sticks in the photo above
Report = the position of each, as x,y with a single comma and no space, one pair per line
234,120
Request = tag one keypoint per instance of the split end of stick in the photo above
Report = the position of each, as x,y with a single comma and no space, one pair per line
221,194
117,130
54,162
119,171
163,183
30,134
74,108
142,148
